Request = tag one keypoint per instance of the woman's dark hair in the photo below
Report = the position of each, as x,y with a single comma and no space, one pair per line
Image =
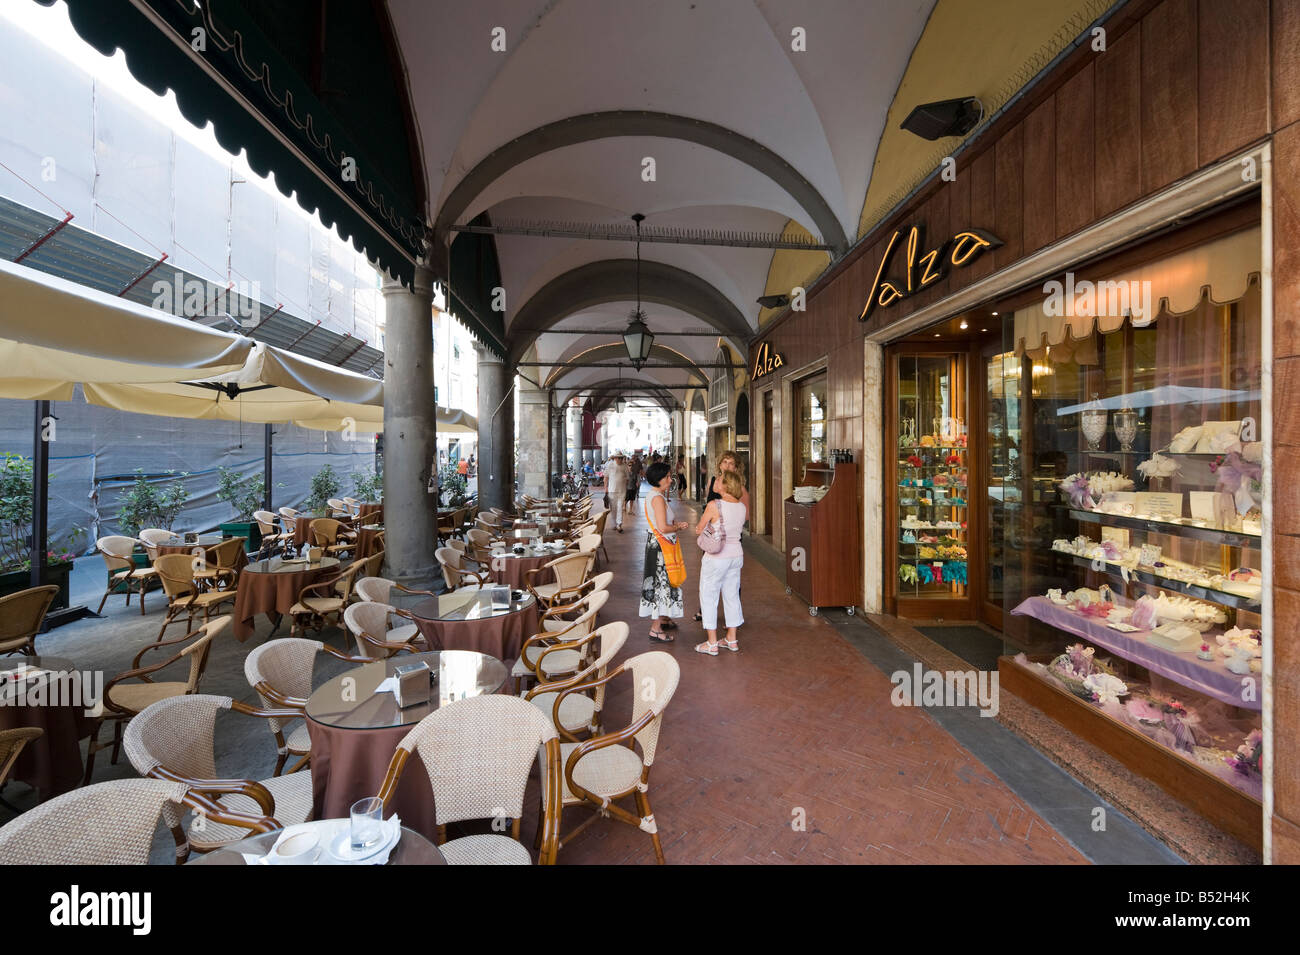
656,473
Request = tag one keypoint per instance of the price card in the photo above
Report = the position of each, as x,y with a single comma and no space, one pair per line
1149,554
1204,506
1160,506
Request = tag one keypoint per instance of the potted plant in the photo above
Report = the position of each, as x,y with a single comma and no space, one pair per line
144,505
245,495
368,486
16,486
454,486
324,485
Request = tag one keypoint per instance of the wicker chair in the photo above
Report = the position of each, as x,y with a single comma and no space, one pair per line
117,552
273,534
575,712
558,650
173,740
570,574
600,582
330,534
603,769
479,754
372,565
368,623
323,599
21,616
479,543
281,673
151,537
455,573
601,519
123,701
106,824
222,568
176,571
11,747
378,590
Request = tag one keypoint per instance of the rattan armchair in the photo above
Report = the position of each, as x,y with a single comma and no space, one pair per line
603,769
131,692
151,537
369,623
21,616
273,533
109,823
332,535
221,569
11,747
570,573
281,673
118,552
454,572
559,649
323,599
479,754
174,740
576,712
184,596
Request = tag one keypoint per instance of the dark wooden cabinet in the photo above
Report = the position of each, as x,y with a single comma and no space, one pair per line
823,541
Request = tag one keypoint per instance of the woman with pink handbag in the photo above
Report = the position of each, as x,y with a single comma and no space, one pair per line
719,537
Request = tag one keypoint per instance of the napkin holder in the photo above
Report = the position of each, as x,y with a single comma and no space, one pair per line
414,684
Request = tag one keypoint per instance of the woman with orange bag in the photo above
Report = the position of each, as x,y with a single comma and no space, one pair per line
660,600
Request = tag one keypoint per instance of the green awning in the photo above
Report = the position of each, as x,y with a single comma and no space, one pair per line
244,66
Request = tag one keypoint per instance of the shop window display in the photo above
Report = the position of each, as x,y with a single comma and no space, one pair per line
1129,523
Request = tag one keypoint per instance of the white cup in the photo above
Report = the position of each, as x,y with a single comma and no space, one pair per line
298,849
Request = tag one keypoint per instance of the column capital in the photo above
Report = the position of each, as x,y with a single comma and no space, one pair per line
423,284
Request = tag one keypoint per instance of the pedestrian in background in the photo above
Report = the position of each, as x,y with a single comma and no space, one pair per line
616,488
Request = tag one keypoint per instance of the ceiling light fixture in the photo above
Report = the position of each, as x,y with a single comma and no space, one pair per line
963,326
995,314
949,117
774,301
637,337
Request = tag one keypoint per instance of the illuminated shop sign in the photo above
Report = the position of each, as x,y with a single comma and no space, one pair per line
923,269
765,362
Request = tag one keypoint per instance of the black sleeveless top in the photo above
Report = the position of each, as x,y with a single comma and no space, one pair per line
712,495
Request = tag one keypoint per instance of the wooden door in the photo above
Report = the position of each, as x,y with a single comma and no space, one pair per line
772,486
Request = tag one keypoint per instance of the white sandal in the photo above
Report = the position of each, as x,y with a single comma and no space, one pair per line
709,648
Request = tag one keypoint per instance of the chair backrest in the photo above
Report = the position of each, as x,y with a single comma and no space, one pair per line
21,615
478,537
117,550
610,638
176,733
226,554
109,823
344,583
587,543
155,535
199,651
449,560
12,743
600,582
585,622
176,571
457,545
570,570
374,589
479,754
337,503
372,565
266,522
655,675
286,665
324,531
288,512
600,522
370,618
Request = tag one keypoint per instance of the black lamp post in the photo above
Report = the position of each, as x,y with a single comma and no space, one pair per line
638,339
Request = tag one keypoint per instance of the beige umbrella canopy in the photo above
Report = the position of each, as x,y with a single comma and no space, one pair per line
55,334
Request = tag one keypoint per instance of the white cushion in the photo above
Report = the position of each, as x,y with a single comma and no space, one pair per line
485,849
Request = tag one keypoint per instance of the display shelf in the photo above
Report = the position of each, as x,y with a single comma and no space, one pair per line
1223,800
1220,597
1211,678
1211,534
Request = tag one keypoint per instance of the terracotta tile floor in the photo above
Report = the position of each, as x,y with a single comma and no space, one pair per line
797,726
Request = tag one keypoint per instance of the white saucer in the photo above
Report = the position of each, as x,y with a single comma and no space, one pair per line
340,847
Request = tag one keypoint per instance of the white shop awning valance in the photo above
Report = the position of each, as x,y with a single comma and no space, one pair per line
456,421
1071,310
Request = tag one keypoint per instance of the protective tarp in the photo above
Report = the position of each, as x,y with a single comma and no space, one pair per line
94,453
55,333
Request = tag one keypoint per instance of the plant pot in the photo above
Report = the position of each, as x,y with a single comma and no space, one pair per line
16,580
250,531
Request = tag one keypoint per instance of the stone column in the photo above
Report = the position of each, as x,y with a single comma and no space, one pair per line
559,441
496,431
410,422
534,428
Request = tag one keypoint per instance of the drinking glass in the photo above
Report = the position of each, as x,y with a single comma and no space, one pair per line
367,822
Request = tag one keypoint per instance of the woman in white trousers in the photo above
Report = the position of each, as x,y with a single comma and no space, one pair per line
720,572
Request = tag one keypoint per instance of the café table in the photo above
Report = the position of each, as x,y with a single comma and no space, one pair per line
469,619
355,731
366,535
205,544
57,702
511,568
272,587
374,513
411,849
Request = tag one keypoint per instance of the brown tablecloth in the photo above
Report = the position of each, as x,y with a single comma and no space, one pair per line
372,513
302,531
273,594
513,571
500,637
52,764
350,764
366,541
